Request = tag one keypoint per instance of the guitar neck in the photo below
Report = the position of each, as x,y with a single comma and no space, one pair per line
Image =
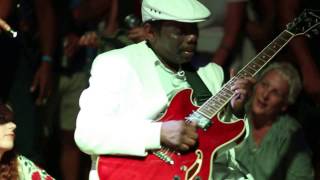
213,105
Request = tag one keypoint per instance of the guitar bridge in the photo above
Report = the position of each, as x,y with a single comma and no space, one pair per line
163,156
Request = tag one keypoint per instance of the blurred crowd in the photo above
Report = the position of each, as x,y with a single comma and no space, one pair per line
46,66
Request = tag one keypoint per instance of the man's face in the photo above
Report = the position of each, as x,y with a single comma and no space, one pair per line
270,95
175,42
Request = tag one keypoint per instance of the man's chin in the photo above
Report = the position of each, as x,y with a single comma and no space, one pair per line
185,59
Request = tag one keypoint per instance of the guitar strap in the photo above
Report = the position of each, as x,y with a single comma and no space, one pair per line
200,91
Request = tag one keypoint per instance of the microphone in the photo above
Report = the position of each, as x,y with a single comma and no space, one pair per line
11,33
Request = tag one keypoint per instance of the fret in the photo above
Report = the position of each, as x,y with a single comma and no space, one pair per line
277,44
227,91
249,70
233,80
211,103
216,101
264,57
271,50
281,41
204,112
209,108
245,74
259,61
228,85
224,93
221,101
207,112
206,109
268,52
223,98
274,46
254,66
286,35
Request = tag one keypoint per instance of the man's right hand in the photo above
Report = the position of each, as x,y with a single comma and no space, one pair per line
178,135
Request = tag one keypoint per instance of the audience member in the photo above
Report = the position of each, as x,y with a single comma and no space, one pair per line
25,77
122,27
77,39
275,148
78,19
12,165
270,18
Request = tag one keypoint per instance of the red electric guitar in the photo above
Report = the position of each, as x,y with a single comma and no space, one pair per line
214,135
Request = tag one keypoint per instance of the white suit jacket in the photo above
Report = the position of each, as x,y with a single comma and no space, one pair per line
123,98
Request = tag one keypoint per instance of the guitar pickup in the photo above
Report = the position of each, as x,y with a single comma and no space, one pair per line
202,122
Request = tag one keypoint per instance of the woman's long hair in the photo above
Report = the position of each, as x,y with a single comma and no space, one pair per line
9,166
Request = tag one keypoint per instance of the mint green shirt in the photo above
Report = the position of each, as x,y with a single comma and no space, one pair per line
171,82
282,154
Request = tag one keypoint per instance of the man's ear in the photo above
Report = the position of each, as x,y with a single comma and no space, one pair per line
149,32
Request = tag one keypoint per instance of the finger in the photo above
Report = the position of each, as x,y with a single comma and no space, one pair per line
191,123
183,147
34,84
189,141
4,25
41,97
241,92
82,40
133,35
240,83
193,135
232,72
251,80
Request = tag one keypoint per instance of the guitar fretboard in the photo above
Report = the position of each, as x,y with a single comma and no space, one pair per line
213,105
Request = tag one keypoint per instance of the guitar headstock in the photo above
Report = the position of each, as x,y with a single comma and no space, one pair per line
307,23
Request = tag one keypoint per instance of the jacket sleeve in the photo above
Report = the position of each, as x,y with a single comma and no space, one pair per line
111,118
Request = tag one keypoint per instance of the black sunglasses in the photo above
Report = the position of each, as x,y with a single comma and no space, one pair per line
5,115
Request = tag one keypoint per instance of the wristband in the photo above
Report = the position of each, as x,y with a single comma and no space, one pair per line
46,58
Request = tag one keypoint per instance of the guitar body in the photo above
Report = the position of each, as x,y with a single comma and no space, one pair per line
196,163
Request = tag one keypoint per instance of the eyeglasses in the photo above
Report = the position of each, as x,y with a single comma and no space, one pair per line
6,115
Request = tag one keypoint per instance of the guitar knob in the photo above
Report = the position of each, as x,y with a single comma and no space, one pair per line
176,177
183,168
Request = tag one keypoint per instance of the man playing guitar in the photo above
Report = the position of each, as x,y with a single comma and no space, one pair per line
130,89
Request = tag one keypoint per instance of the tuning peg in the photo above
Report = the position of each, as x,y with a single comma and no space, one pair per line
308,35
289,25
315,31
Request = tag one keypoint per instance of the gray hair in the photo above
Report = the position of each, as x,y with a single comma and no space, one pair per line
288,72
